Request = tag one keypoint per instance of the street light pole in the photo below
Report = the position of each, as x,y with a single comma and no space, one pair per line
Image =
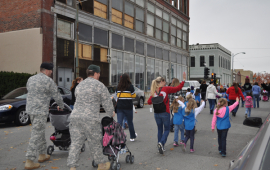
232,63
77,39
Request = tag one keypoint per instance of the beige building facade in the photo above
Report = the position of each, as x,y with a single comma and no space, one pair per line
21,51
244,74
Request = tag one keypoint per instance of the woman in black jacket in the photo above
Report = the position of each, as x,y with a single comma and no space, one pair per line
247,86
72,89
203,88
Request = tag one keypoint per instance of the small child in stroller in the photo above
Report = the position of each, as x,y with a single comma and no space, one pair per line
61,136
265,93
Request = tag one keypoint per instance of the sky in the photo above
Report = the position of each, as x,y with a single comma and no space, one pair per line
237,25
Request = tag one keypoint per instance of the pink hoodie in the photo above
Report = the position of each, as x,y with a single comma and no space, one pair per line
222,112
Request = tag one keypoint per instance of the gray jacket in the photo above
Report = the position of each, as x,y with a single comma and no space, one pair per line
90,94
40,90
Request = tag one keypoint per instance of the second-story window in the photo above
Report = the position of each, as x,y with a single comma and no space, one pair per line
150,24
201,61
129,15
117,8
211,61
192,62
139,20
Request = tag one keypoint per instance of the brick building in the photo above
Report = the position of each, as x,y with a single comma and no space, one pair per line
144,38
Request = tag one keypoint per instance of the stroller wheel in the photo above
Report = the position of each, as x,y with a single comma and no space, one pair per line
132,159
128,159
113,165
118,167
50,150
94,164
83,148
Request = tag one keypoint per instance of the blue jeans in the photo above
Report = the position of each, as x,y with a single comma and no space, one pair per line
243,102
163,119
178,128
222,137
212,103
236,108
124,121
129,115
256,97
248,112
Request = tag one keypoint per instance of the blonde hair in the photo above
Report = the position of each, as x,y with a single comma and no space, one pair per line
174,106
175,82
155,85
221,103
189,97
191,105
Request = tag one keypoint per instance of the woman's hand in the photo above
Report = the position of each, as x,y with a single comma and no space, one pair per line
113,114
237,99
184,76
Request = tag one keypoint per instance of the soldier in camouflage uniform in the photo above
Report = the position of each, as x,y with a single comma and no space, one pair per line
40,89
85,119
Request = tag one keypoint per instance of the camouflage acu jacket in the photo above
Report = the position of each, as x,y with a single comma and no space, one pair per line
40,90
89,94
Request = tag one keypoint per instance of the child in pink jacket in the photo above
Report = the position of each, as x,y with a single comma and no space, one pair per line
221,118
249,104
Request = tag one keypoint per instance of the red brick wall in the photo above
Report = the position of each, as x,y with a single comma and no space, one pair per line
19,14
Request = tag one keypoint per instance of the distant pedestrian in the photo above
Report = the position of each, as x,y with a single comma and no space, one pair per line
221,118
203,88
159,94
85,119
267,88
190,113
178,119
247,86
40,89
197,96
249,104
256,91
125,93
234,92
244,94
72,89
175,83
192,89
211,94
188,92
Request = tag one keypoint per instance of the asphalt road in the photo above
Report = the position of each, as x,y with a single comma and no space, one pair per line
14,142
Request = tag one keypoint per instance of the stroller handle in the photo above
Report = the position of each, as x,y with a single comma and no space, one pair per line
65,105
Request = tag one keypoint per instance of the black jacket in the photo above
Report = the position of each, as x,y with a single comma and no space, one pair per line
73,94
247,86
203,88
267,88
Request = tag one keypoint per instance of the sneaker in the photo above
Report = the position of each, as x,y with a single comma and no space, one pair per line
223,155
160,148
132,140
175,144
245,116
192,150
182,143
184,148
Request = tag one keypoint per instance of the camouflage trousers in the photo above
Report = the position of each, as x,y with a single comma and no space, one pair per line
37,142
79,131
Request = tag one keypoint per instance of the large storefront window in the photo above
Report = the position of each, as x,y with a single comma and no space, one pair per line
116,64
150,72
129,66
139,71
166,71
158,68
179,72
174,70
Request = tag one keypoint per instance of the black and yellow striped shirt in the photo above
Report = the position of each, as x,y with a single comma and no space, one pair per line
125,98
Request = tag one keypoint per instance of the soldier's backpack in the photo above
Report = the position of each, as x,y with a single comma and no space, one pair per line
158,104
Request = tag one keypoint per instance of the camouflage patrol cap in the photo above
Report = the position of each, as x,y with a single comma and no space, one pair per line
47,66
94,68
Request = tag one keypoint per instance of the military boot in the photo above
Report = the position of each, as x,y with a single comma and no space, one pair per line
31,165
43,158
105,166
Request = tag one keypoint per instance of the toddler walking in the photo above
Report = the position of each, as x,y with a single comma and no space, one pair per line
190,113
222,119
178,107
249,104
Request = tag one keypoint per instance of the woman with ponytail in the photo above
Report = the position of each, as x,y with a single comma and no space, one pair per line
221,117
72,89
162,110
234,92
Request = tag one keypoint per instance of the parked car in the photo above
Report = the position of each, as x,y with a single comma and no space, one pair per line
256,154
138,101
12,105
188,84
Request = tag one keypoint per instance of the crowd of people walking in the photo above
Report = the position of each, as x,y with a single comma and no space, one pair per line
173,111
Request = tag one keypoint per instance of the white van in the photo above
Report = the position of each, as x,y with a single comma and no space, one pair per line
188,84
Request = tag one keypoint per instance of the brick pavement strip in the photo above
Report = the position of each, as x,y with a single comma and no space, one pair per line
13,144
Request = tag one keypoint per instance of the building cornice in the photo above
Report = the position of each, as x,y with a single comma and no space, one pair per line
209,47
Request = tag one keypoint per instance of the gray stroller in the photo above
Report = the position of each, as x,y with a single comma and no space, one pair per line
61,136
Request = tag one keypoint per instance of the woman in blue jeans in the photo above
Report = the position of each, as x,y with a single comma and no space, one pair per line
125,93
256,91
211,93
162,110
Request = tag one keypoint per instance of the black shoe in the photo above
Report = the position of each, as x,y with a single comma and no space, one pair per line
160,148
171,130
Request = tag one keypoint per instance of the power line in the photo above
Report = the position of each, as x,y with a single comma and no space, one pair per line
253,57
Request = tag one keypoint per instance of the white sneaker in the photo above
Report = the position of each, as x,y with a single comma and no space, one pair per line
132,140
